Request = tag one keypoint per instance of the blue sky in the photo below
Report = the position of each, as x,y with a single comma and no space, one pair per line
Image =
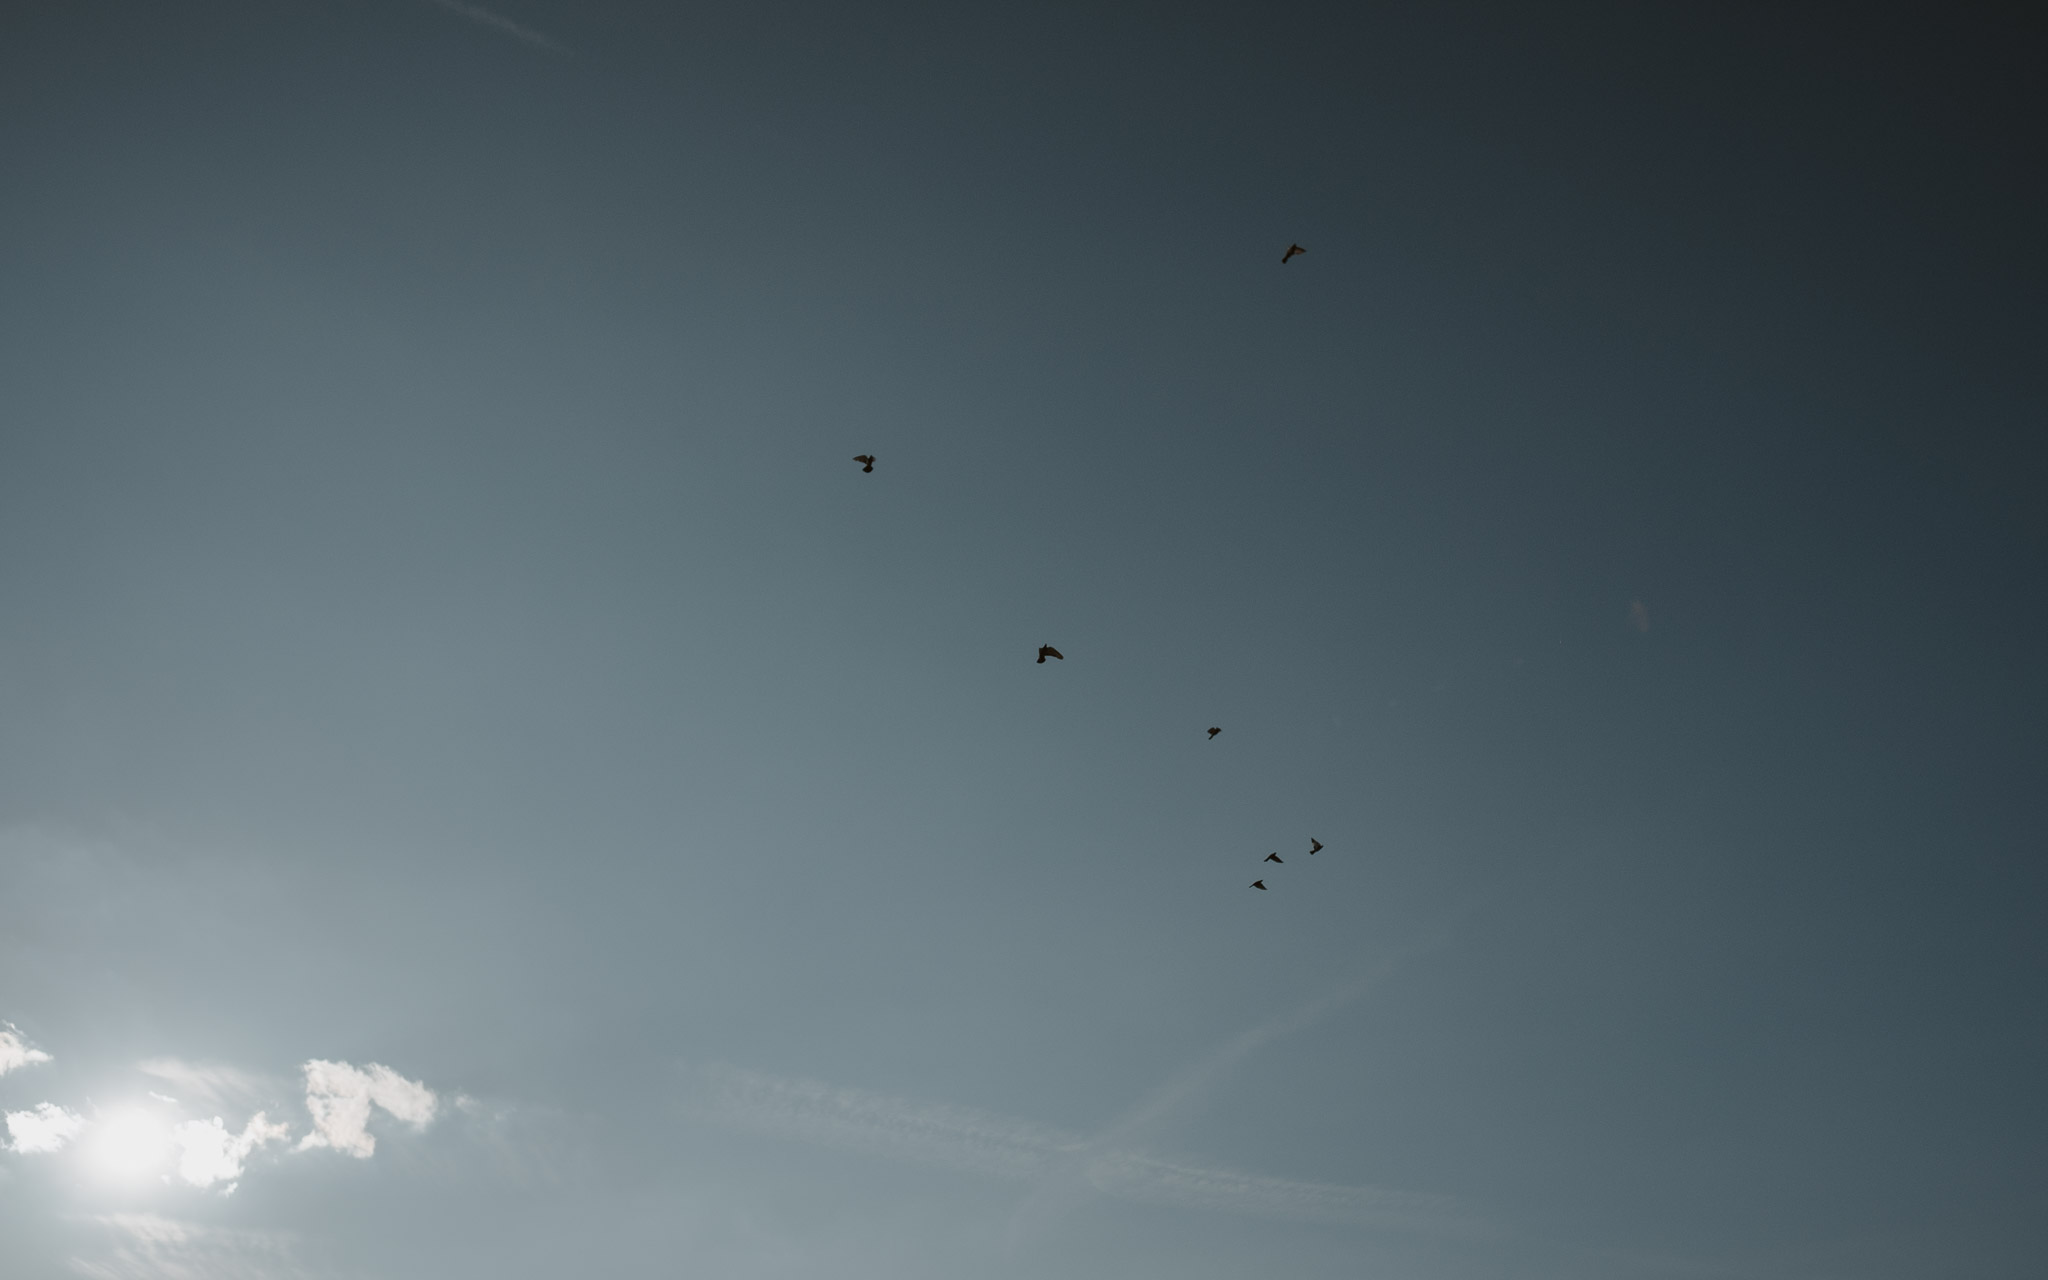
488,786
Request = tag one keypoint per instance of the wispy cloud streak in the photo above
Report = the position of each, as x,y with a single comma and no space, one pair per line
209,1084
146,1246
477,13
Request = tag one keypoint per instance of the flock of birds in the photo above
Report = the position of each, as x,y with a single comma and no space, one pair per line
1314,847
867,464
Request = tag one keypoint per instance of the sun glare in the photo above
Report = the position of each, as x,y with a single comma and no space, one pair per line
131,1144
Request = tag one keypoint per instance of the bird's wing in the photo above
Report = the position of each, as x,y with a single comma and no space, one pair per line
1051,652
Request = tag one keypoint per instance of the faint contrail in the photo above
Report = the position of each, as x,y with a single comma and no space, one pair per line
1093,1162
976,1141
832,1116
476,13
1060,1166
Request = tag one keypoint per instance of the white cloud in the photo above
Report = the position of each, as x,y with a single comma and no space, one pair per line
209,1153
45,1129
340,1096
15,1052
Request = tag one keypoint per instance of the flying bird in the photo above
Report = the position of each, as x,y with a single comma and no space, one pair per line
1272,857
1213,732
1047,651
1314,845
866,461
1258,884
1292,249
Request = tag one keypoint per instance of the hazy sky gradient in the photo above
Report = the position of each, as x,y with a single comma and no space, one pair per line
458,697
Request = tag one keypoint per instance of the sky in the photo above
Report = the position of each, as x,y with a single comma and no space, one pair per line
489,788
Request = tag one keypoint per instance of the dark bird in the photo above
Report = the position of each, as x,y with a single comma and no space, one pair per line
1272,857
1212,734
1258,884
1292,249
1313,845
1047,651
866,461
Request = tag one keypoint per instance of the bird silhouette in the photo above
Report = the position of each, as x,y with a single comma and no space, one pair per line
1047,651
1272,857
1258,884
866,461
1292,249
1212,734
1313,845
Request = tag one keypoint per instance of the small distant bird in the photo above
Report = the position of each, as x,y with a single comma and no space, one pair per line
1292,249
866,461
1272,857
1314,846
1047,651
1213,731
1258,884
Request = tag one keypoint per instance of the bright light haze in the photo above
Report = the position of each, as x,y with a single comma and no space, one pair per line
490,788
